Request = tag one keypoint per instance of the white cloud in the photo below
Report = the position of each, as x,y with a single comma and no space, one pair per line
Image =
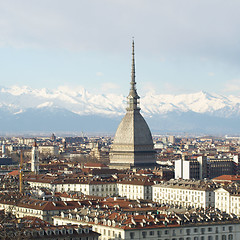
99,74
148,87
73,90
232,86
172,89
106,86
79,24
211,74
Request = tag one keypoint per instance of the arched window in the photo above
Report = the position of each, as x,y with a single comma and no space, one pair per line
230,237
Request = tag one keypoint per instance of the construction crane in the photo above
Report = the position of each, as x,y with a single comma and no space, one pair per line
21,173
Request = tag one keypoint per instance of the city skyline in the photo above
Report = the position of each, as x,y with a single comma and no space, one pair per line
181,47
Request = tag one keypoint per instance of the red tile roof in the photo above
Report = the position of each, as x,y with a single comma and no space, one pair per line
227,178
14,173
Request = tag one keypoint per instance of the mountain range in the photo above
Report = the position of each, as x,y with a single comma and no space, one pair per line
24,109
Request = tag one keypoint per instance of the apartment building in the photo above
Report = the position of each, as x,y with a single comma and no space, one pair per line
202,167
22,206
199,225
185,193
84,185
138,187
135,188
51,150
227,199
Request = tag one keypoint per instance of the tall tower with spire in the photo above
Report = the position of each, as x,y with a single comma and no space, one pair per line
35,158
133,144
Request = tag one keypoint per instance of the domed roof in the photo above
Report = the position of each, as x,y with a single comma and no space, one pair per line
133,144
133,130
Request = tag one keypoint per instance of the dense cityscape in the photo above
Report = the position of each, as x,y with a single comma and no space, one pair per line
68,181
119,120
132,186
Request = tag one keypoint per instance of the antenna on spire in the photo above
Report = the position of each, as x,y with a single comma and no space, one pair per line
133,96
133,66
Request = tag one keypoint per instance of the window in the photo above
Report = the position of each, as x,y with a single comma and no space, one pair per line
210,229
195,230
224,237
131,235
202,230
210,238
202,238
166,232
159,233
216,237
151,233
188,231
195,238
230,229
144,234
230,237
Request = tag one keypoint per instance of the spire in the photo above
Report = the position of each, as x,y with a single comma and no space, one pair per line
133,96
133,68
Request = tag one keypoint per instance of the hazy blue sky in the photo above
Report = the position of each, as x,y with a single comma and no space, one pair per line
181,46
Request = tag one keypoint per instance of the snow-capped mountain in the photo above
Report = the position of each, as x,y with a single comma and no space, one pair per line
84,103
64,109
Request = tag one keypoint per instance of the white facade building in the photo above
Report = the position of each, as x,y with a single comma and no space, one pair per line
87,187
184,193
227,200
51,150
156,227
132,188
135,189
35,159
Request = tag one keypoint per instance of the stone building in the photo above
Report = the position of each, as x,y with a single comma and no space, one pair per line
199,225
197,194
133,145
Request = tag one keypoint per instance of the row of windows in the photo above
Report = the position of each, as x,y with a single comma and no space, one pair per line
217,237
108,233
196,198
159,233
180,191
